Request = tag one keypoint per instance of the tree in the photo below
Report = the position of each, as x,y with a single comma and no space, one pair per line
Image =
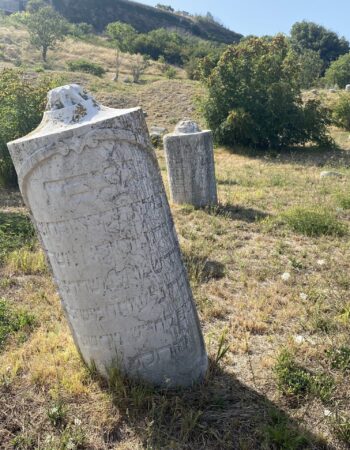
138,65
311,65
165,7
310,36
34,6
339,72
46,28
123,36
22,103
255,100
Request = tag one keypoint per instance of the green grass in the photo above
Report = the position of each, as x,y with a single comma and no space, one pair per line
14,321
295,380
280,434
313,222
341,428
343,200
340,358
27,262
16,230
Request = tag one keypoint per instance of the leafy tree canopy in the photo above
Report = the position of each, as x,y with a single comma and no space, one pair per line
255,100
311,36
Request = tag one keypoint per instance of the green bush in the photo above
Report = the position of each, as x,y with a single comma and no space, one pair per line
170,73
255,99
22,103
339,72
82,65
341,111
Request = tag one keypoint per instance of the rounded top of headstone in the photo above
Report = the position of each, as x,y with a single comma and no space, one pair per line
187,126
70,106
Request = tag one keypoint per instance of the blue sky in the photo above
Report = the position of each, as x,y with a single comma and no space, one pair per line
261,17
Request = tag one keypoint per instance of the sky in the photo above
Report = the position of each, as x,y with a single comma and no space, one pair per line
260,17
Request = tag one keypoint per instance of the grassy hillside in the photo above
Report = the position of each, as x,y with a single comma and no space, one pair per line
143,18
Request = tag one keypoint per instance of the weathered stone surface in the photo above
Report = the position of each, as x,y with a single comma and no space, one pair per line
190,162
347,87
330,174
91,179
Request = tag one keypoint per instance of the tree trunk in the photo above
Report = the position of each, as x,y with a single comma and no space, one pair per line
44,54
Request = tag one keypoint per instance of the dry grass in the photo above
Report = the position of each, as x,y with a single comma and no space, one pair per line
260,313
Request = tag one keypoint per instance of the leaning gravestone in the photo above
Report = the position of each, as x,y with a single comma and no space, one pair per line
190,162
91,180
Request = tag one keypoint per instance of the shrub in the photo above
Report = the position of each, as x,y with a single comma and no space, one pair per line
341,111
339,72
22,103
170,73
82,65
313,222
255,100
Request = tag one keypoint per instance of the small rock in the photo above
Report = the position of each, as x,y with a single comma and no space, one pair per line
347,87
286,276
303,296
299,339
321,262
329,174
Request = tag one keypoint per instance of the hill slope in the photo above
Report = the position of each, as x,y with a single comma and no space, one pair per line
142,17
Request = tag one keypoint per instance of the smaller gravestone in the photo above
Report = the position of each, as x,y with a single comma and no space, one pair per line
190,162
347,87
330,174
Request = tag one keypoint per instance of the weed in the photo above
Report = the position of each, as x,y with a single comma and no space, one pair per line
73,438
313,222
27,262
279,434
294,380
343,200
341,428
340,358
16,230
223,348
57,414
23,442
12,321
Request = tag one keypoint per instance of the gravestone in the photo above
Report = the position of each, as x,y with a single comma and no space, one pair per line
190,161
91,180
347,87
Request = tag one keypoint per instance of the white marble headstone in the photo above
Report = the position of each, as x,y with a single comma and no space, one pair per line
91,180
